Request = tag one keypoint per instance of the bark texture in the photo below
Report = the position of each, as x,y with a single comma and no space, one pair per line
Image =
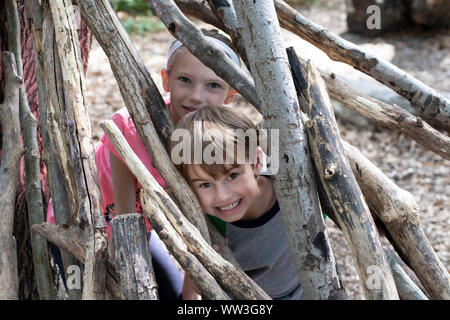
9,177
294,182
344,194
133,258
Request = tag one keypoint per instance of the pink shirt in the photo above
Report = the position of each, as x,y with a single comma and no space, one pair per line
125,124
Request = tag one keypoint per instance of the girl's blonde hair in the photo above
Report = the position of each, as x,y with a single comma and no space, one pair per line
220,129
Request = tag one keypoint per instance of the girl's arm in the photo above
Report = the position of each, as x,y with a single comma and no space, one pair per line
124,186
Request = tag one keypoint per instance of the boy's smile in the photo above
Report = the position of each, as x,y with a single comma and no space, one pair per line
192,86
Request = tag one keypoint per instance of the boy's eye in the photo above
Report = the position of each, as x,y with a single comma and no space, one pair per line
214,85
205,185
233,176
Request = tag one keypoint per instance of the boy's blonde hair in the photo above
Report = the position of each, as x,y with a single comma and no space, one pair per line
222,130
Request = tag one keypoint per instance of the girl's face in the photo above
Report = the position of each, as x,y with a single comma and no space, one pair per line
192,86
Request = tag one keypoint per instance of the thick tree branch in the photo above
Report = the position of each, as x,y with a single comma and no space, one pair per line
429,104
28,124
9,177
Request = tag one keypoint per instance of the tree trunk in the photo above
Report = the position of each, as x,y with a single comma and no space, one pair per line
133,259
9,178
344,194
294,182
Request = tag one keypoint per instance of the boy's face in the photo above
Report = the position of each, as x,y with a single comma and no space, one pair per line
229,196
192,86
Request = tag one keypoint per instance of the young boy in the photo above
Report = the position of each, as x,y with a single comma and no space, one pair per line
212,148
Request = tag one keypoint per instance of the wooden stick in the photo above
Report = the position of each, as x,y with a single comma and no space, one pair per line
133,258
59,196
429,104
70,57
345,196
9,178
41,261
294,182
72,241
232,279
400,214
389,116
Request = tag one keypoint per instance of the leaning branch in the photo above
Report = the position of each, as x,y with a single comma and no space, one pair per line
399,212
9,178
28,124
389,116
343,191
429,104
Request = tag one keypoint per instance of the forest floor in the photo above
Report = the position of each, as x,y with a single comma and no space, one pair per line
425,55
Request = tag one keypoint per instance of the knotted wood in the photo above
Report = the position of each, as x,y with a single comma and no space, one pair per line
344,194
133,259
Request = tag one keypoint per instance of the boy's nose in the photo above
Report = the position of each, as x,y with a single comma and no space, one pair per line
223,194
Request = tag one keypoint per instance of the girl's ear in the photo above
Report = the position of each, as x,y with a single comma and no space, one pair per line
258,168
230,96
165,80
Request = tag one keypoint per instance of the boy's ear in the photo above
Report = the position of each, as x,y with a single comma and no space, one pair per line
230,97
258,168
165,80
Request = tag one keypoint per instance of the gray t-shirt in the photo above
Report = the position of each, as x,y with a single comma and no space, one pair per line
262,250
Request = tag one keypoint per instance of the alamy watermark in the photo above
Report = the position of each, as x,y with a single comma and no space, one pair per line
374,20
215,147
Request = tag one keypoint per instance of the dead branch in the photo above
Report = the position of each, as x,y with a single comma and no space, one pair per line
232,279
60,200
429,104
399,212
28,124
389,116
133,258
72,241
9,177
342,189
138,91
71,67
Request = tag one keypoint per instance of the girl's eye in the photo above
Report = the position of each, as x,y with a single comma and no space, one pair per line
214,85
233,176
205,185
184,79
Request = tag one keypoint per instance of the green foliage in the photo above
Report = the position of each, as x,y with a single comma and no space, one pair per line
133,7
138,16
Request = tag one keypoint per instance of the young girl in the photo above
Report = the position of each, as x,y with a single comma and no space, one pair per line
230,185
192,86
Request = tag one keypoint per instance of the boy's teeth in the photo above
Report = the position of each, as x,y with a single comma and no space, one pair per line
230,206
